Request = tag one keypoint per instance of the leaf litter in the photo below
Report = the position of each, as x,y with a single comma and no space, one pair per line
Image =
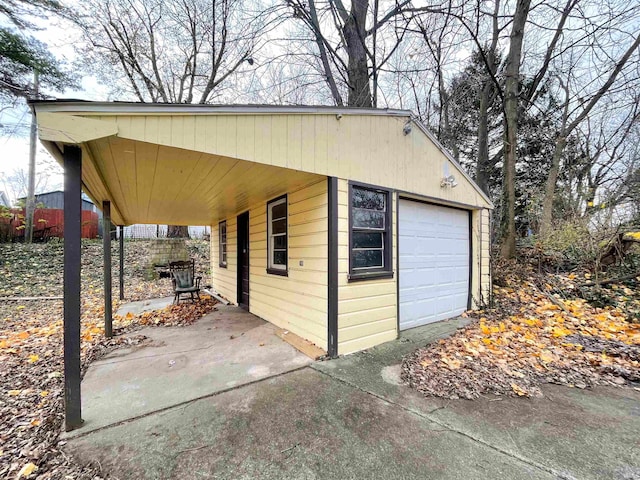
534,335
31,356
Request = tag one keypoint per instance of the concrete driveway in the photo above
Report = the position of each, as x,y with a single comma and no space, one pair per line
350,418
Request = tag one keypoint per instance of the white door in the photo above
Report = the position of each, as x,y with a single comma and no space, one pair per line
434,263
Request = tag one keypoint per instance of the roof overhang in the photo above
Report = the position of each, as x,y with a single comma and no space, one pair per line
160,163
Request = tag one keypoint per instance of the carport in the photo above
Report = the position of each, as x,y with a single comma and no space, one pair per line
143,182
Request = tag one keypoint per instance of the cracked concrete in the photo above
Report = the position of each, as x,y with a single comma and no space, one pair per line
352,418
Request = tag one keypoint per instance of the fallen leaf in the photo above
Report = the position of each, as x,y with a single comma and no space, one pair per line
521,392
452,363
546,356
27,470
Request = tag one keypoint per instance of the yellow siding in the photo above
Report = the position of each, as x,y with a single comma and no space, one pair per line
480,244
485,255
367,310
366,148
297,302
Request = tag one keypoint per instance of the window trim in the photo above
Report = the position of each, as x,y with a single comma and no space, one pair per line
271,269
221,263
386,271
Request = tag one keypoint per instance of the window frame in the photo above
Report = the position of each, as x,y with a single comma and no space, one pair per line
223,263
282,270
386,271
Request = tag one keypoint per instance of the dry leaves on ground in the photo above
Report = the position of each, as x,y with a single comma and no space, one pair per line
31,387
532,337
172,316
31,361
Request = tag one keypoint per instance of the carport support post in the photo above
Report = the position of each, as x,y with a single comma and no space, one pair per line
332,268
106,245
121,255
72,161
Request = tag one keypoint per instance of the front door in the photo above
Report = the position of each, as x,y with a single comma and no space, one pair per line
243,260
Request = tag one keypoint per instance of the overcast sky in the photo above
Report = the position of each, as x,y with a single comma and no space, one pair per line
15,122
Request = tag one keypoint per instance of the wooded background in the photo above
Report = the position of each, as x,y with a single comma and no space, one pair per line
539,101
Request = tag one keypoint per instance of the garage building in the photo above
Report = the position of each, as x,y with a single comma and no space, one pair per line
344,226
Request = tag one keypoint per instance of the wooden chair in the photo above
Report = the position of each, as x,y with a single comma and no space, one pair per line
184,280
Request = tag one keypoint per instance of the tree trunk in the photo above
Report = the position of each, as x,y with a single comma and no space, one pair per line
508,223
358,69
550,186
482,175
486,97
447,138
177,231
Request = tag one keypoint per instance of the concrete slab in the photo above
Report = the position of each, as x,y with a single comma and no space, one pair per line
586,434
303,425
378,369
227,348
352,418
141,306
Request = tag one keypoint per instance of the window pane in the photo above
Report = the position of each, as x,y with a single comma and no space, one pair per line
368,199
279,211
280,257
367,240
280,242
368,218
367,258
279,226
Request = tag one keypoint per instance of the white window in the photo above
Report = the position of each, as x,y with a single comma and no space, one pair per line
222,230
277,236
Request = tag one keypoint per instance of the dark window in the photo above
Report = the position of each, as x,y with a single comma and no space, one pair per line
370,235
277,236
222,237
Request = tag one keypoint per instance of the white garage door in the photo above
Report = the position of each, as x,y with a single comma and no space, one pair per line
434,263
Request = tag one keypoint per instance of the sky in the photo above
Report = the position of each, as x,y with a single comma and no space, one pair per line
15,122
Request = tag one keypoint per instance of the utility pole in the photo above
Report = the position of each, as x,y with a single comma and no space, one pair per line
31,191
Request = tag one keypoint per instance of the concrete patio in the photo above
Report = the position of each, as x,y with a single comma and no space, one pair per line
226,348
352,418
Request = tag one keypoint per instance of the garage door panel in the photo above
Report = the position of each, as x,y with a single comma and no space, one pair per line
434,263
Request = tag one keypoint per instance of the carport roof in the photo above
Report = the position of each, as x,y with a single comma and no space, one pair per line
143,108
188,164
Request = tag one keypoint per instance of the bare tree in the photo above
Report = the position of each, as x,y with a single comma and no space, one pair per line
178,52
354,43
575,110
511,91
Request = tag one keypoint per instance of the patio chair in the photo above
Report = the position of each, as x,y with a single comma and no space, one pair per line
184,280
